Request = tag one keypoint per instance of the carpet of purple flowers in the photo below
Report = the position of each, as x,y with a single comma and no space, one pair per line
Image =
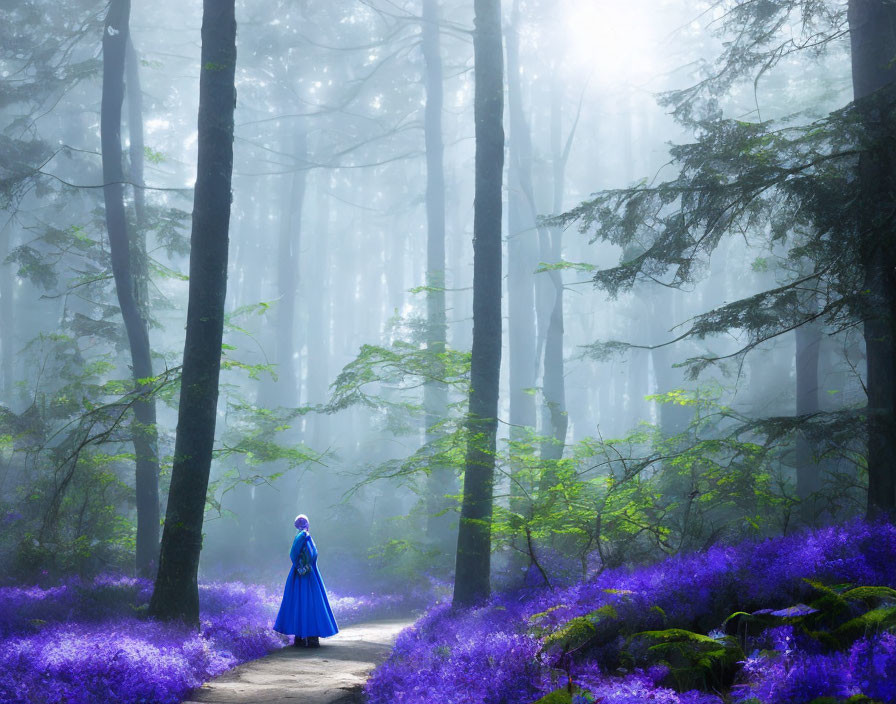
85,642
501,652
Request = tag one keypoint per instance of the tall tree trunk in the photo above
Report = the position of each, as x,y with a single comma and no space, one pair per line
555,420
471,582
7,317
139,256
522,257
872,25
808,344
135,129
176,593
115,39
435,391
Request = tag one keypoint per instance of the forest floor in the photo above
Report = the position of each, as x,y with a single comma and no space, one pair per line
335,673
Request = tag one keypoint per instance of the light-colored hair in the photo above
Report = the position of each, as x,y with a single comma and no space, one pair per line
301,522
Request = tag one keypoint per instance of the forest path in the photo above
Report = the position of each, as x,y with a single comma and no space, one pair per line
332,674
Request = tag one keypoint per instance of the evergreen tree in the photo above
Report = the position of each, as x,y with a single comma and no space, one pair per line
823,189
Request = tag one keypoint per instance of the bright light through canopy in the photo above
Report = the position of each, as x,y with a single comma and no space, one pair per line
614,40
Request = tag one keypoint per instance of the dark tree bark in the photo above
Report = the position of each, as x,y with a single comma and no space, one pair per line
808,344
872,25
115,41
435,391
176,593
471,582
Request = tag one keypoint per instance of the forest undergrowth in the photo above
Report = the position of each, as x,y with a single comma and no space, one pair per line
810,617
84,641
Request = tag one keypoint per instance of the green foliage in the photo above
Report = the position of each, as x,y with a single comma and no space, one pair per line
403,559
402,367
70,455
69,459
786,187
645,493
616,499
152,156
836,617
694,660
608,500
580,632
254,449
558,696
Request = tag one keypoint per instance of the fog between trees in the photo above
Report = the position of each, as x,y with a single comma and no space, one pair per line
349,309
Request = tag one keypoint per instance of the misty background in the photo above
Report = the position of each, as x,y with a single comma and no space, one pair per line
328,271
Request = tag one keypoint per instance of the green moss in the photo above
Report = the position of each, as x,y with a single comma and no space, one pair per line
562,696
694,660
559,696
871,594
572,635
577,633
874,621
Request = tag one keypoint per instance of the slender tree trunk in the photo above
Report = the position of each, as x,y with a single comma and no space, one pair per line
471,583
555,419
808,344
461,298
872,25
435,391
135,130
522,257
7,318
176,593
139,256
115,40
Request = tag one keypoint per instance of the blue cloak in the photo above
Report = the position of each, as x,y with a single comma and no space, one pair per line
305,610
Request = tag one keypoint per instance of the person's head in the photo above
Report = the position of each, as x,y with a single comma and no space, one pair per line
301,522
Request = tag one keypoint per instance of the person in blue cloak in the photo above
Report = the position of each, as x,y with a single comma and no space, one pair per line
305,611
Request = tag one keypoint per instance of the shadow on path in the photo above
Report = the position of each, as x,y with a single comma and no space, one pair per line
332,674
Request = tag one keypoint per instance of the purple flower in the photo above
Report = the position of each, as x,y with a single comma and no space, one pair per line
81,642
493,653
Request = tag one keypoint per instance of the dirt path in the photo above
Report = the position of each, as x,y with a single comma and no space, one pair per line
331,674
